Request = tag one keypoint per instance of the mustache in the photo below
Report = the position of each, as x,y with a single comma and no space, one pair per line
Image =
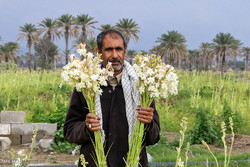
115,60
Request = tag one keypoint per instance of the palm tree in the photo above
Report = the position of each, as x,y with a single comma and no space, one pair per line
58,58
246,53
28,32
91,45
9,50
129,28
223,45
190,59
65,22
173,46
130,55
195,56
205,50
49,26
105,27
21,59
156,50
84,23
35,41
236,52
1,39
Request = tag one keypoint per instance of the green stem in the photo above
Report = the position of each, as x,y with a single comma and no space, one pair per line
205,144
12,157
229,154
98,145
32,144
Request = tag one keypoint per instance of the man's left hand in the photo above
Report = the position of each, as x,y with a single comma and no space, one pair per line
145,114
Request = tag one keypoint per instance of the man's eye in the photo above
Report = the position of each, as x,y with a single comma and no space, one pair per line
108,49
119,49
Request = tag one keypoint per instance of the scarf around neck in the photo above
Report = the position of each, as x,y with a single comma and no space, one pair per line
131,96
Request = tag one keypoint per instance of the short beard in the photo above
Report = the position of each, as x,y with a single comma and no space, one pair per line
119,68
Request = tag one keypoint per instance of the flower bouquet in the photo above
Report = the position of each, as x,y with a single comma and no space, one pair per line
87,77
155,79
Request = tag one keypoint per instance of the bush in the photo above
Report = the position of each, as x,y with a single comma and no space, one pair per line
8,66
204,128
236,116
206,91
58,116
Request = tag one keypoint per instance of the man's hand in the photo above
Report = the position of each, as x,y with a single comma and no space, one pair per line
92,122
145,114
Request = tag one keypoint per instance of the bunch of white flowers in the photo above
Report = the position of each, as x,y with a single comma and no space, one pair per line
86,75
155,79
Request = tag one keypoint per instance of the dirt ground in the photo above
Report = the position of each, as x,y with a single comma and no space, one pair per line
40,157
241,142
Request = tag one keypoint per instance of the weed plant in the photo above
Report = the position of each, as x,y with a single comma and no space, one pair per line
204,128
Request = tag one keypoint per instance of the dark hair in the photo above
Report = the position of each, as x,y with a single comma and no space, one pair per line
110,31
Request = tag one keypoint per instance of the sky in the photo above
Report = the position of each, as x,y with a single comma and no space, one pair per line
198,20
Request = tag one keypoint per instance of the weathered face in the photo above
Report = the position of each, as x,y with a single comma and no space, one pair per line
113,51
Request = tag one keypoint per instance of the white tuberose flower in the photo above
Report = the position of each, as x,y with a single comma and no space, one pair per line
94,77
20,152
150,72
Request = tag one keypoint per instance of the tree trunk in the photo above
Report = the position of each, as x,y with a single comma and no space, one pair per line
34,59
184,65
197,66
179,64
172,62
52,60
127,39
190,66
217,63
83,36
223,62
29,61
171,59
210,63
165,59
6,57
246,63
34,62
49,36
235,61
206,63
67,45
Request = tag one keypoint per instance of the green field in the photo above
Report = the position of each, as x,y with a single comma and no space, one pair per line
39,95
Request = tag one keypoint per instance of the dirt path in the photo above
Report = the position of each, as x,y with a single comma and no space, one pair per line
40,157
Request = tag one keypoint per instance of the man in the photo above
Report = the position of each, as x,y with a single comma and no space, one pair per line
119,108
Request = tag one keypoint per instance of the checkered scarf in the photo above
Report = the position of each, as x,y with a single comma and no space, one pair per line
131,95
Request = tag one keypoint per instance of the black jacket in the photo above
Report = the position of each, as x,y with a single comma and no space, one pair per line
115,126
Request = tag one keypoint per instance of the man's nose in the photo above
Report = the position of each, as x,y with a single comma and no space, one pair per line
114,53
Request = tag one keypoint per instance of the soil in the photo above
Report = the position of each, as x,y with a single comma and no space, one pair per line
241,142
40,157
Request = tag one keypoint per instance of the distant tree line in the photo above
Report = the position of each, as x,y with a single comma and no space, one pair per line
171,46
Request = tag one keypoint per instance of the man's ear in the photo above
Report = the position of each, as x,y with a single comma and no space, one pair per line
125,54
98,51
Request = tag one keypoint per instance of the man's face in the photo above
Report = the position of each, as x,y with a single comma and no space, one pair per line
113,51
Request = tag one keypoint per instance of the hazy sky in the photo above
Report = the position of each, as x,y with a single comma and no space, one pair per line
198,20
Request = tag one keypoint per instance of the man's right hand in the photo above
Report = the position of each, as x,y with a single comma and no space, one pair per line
92,122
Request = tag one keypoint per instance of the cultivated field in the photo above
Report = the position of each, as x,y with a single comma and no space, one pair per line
205,99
